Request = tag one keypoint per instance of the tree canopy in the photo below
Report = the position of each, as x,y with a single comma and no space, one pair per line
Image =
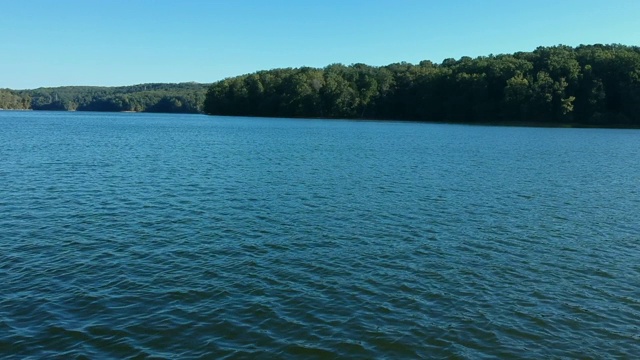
589,85
179,98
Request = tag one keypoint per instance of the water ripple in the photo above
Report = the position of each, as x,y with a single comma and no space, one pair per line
135,236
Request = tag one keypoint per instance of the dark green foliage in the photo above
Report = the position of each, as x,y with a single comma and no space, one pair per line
590,85
181,98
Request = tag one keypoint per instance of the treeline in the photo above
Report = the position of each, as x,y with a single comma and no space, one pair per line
9,99
590,85
176,98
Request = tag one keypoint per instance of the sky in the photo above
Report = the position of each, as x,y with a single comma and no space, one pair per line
45,43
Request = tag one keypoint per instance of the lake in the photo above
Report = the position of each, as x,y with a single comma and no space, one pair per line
189,236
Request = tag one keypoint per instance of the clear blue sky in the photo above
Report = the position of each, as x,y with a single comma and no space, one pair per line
125,42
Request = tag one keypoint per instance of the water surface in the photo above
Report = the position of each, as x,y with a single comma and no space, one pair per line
186,236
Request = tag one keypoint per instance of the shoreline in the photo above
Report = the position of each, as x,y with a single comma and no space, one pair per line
531,124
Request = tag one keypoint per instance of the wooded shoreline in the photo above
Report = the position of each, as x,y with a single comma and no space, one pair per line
587,86
560,86
157,97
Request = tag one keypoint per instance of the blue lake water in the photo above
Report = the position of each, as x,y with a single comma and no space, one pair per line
187,236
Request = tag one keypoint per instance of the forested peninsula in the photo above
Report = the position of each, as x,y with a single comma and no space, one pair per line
589,85
171,98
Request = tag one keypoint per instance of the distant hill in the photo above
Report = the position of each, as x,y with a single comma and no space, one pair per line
156,97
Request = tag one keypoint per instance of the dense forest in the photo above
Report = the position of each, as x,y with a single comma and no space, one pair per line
589,85
180,98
